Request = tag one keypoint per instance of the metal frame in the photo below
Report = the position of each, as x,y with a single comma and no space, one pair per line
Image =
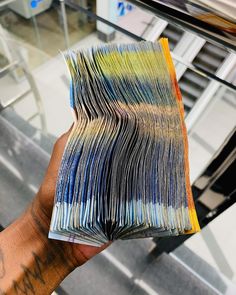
208,94
156,31
188,47
187,22
19,62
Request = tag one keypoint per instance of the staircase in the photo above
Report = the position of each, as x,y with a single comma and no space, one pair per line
193,50
192,84
126,267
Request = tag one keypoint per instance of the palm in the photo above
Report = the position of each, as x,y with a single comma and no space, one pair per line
81,253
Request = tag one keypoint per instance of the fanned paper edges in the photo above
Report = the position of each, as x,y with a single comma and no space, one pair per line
124,173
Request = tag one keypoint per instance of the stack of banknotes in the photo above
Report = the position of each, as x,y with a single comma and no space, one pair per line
124,172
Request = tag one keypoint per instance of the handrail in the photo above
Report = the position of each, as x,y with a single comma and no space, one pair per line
187,22
192,67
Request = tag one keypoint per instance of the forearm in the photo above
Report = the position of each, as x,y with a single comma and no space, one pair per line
30,263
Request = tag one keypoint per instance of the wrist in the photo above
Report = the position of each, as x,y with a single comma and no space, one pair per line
29,260
39,223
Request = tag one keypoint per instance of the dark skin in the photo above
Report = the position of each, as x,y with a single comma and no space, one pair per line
30,263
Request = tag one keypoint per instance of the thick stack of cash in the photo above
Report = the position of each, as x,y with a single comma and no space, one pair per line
124,173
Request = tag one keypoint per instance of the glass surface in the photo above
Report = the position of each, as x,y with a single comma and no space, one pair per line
42,34
213,20
143,24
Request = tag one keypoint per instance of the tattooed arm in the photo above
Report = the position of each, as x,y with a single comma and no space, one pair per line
30,263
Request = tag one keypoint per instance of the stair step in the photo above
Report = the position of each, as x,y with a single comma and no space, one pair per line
23,163
207,59
190,89
190,76
167,276
173,34
189,103
215,50
216,279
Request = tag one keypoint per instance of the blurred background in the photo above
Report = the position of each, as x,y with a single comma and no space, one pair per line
34,111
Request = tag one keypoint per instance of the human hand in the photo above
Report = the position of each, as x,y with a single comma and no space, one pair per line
43,204
30,263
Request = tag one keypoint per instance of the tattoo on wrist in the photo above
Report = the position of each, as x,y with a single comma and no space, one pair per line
54,255
2,270
26,286
2,267
54,246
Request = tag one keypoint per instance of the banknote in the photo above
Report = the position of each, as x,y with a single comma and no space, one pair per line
124,172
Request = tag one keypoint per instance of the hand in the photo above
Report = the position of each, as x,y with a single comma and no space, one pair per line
43,204
30,263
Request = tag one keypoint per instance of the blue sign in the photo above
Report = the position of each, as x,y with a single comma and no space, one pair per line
123,8
34,3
